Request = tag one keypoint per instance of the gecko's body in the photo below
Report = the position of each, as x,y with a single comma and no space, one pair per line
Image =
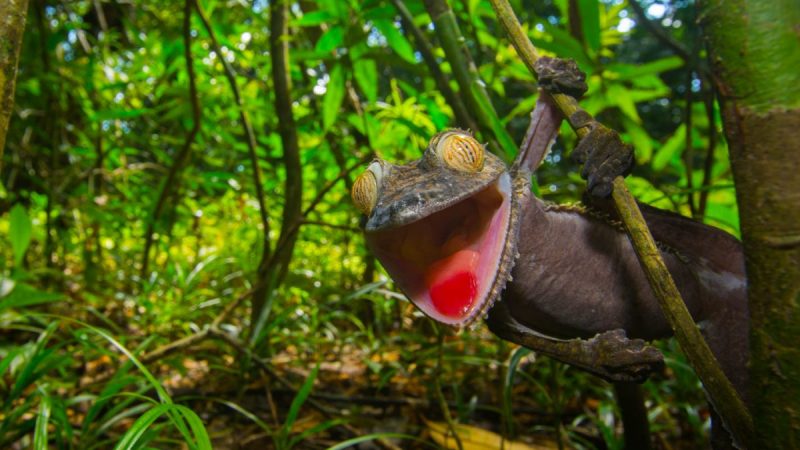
464,238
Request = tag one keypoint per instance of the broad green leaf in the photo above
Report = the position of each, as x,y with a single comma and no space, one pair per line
365,72
331,40
674,146
314,18
590,21
20,230
334,95
396,40
624,71
642,143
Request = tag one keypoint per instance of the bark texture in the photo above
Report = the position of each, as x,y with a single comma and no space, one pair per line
755,49
12,26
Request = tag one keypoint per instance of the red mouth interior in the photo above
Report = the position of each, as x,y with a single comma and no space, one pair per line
446,262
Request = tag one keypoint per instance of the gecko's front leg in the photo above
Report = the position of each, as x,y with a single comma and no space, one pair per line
609,355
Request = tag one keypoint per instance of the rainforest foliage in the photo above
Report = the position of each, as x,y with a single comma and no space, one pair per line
180,264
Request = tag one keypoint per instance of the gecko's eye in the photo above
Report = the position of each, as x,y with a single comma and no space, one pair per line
459,150
366,188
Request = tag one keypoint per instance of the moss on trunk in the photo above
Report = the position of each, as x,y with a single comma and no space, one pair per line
755,50
12,25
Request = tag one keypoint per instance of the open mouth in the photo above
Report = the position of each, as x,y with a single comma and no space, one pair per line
447,263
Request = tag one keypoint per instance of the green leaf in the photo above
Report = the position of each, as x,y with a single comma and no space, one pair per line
334,95
23,295
672,147
631,71
42,419
332,39
314,18
396,40
620,97
20,230
590,21
300,398
365,71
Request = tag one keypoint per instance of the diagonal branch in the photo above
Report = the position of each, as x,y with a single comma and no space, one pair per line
719,388
463,117
466,75
172,182
246,124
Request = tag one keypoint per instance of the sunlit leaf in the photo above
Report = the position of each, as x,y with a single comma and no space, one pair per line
20,231
314,18
365,72
590,22
396,40
332,39
334,95
671,149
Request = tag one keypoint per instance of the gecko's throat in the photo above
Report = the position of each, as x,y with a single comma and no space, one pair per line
447,262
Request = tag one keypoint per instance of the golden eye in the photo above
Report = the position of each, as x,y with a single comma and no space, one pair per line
365,188
460,151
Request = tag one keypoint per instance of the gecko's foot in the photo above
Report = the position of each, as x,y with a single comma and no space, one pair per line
603,154
623,359
560,76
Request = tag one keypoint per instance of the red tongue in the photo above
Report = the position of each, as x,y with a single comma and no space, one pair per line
452,283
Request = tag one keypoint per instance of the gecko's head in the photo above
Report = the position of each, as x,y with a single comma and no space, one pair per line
443,226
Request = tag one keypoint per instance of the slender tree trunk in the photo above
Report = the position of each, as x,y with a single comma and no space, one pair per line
12,26
272,270
755,49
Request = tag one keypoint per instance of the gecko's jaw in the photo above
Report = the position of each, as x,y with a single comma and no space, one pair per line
448,262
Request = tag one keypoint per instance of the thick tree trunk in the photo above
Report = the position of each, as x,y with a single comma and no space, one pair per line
12,25
755,49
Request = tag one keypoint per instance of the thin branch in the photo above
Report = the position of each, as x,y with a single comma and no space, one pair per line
688,153
172,182
720,390
331,225
466,74
463,117
246,125
319,197
712,145
665,38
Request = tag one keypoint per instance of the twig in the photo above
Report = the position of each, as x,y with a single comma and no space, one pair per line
712,145
187,341
331,225
719,388
688,154
318,198
173,180
246,125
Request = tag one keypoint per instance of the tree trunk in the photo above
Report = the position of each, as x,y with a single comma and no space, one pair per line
755,50
12,26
